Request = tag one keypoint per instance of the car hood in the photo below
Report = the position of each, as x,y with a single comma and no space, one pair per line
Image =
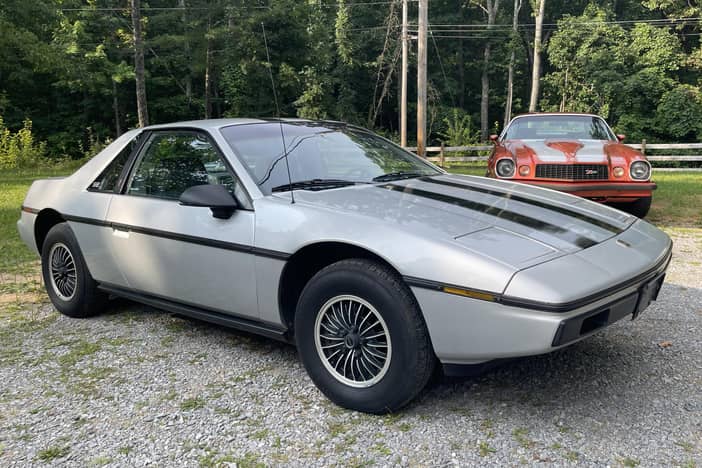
514,224
567,151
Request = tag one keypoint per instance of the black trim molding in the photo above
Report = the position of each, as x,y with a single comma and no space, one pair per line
208,315
511,301
217,244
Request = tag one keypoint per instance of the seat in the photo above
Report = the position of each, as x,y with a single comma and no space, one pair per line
173,176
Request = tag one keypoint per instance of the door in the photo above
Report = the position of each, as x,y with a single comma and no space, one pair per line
177,252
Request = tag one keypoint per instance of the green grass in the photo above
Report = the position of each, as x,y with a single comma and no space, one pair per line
13,188
52,453
677,201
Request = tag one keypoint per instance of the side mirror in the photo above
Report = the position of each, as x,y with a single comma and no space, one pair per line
214,197
494,137
621,137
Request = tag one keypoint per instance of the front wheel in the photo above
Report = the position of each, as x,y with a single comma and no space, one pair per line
362,338
68,282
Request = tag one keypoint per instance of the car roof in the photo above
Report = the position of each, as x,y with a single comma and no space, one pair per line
548,114
208,124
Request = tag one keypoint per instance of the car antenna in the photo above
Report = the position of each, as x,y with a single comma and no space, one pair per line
277,109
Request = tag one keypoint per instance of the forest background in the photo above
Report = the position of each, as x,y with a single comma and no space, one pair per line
69,69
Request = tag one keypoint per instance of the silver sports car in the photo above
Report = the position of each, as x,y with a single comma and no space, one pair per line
378,265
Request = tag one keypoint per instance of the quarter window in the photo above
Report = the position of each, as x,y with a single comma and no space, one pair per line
107,181
173,162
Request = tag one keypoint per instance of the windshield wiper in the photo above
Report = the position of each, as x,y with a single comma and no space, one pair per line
313,184
397,176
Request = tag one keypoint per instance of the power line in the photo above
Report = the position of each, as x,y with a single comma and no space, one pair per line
247,7
461,27
443,71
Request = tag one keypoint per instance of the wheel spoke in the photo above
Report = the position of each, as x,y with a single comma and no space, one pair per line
370,327
353,341
62,271
372,353
334,345
331,338
330,330
377,335
377,345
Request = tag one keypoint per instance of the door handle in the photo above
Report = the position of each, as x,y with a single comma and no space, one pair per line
121,233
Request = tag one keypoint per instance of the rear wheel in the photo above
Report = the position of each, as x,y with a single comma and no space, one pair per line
362,338
638,208
68,283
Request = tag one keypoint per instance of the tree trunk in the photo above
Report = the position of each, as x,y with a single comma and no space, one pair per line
115,108
491,10
139,64
536,67
208,73
186,53
512,58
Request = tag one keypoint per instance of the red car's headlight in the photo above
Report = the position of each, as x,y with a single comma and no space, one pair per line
640,170
505,167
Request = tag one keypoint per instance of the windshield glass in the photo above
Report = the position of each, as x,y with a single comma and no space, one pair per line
571,127
318,151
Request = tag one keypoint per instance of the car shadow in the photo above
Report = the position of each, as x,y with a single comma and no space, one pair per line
638,362
623,362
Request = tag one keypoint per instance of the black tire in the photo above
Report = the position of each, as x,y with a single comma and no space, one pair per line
409,359
639,208
80,297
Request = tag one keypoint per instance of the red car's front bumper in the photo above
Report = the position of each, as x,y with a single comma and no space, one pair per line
601,191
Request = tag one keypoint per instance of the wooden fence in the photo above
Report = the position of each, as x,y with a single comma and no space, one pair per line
441,152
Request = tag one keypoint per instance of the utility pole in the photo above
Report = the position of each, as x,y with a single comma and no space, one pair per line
403,92
422,77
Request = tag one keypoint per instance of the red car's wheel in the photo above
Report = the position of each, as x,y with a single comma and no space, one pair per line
639,208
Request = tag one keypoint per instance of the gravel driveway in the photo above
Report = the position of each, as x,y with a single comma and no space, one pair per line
138,387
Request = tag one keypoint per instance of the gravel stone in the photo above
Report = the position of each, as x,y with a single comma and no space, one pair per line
140,387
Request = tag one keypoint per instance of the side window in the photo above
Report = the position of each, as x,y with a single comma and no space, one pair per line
172,162
107,180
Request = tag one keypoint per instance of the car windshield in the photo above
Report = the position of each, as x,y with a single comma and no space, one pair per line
571,127
321,155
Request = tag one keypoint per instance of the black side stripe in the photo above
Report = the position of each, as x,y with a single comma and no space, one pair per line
563,234
218,244
558,209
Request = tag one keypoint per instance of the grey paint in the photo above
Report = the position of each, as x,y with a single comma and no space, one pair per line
411,226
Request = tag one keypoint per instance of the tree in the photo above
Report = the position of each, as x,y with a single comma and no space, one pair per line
536,66
139,73
490,8
512,59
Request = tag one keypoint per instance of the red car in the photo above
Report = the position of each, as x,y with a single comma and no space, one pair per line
574,153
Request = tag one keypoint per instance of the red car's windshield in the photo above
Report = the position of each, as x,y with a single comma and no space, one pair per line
571,127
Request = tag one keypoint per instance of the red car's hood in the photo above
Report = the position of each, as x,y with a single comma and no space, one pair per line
564,151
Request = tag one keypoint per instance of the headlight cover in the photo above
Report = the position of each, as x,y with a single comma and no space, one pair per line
640,170
505,167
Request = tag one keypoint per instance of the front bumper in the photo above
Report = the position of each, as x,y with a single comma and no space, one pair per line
467,331
600,190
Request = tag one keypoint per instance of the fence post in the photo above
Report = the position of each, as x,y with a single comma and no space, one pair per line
643,147
441,155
